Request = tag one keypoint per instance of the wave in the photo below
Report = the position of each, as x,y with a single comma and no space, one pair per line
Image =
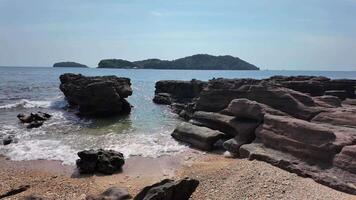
24,103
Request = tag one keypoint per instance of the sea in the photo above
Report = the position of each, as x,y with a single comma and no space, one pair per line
145,132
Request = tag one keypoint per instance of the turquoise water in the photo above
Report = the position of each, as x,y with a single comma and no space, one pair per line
146,131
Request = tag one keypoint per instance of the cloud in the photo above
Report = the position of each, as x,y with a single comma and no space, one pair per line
156,13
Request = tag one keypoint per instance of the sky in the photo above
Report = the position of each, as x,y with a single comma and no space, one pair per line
272,34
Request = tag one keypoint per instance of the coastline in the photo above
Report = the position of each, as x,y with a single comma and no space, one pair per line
220,178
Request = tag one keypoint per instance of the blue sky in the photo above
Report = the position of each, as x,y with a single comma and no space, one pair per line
272,34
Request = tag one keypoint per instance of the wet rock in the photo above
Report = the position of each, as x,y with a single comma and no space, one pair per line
8,139
162,98
98,96
199,137
169,190
34,120
113,193
103,161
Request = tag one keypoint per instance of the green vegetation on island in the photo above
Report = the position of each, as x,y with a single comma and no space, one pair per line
69,64
199,61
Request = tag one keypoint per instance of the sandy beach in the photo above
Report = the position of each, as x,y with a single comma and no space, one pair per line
220,178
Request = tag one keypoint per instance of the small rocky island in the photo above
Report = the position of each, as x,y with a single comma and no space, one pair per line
196,62
69,64
303,124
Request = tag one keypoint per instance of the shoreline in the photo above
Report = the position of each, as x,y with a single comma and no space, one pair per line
220,178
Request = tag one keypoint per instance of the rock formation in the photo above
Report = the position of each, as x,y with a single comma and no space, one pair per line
34,120
301,124
169,190
98,96
103,161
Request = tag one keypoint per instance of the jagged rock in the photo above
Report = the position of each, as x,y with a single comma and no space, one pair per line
283,99
199,137
162,98
97,96
34,120
169,190
244,108
179,91
112,193
103,161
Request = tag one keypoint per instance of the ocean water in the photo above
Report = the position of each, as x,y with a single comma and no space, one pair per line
145,132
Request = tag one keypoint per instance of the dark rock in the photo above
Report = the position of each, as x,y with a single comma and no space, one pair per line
341,94
34,124
227,124
34,120
8,139
169,190
179,91
244,108
15,191
199,137
103,161
342,84
112,193
97,96
162,98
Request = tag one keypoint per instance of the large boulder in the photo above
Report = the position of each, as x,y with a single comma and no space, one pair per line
179,91
341,116
309,141
103,161
169,190
98,95
229,125
199,137
244,108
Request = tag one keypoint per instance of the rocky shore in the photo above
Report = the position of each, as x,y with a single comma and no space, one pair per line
301,124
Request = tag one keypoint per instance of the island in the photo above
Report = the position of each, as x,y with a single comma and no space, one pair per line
197,62
69,64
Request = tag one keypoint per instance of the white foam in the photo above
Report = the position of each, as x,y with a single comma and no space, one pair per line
40,150
24,103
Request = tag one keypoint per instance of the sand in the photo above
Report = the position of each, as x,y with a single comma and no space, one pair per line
220,178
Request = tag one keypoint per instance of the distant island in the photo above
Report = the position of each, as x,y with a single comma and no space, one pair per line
69,64
199,61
